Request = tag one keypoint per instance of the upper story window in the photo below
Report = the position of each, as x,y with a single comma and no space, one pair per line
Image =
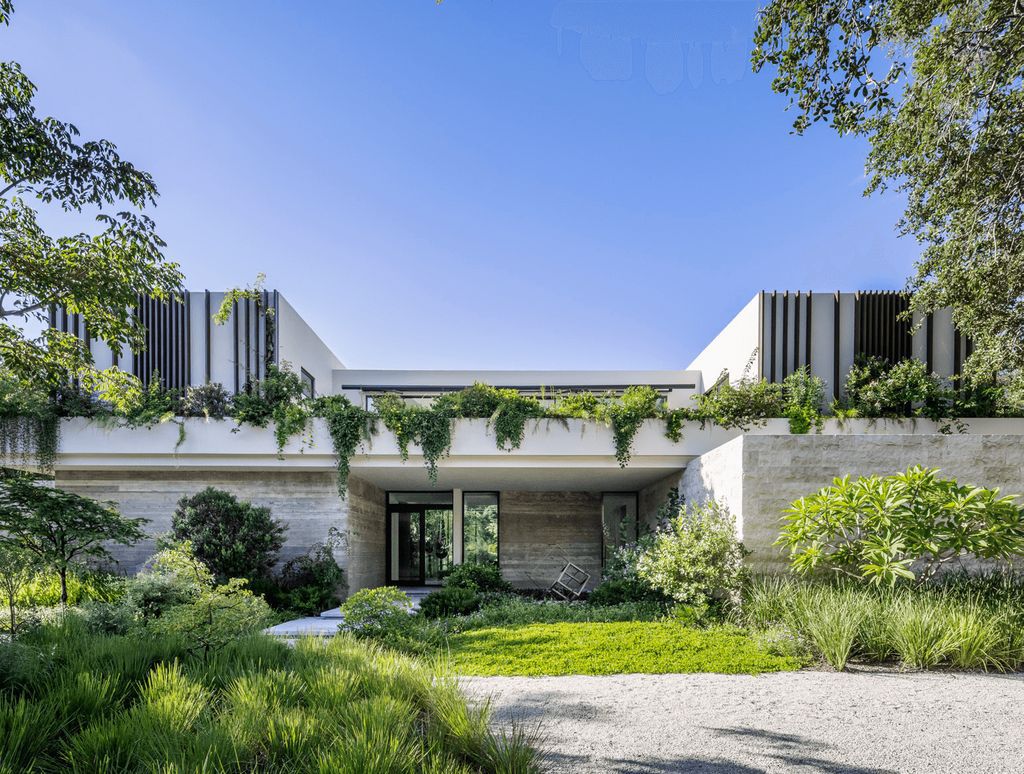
308,383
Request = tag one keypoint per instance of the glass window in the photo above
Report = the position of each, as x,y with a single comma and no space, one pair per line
618,520
419,498
308,383
480,527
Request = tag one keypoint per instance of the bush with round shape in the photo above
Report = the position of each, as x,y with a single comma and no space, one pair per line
477,576
377,613
235,539
451,601
908,526
695,557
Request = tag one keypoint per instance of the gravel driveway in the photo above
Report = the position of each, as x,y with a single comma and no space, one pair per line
790,721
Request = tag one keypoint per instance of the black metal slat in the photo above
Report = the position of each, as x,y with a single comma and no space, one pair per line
188,339
807,338
234,317
773,328
835,344
785,334
248,340
208,321
796,331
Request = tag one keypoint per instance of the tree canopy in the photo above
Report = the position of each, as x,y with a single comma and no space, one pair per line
43,162
59,528
935,88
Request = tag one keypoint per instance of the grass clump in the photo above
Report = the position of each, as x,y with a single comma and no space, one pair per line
76,701
655,647
959,622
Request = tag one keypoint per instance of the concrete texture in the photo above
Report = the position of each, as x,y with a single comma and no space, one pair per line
788,722
758,476
366,535
540,531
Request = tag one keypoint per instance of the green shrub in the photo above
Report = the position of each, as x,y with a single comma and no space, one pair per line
208,400
831,619
618,591
514,611
235,539
921,631
695,557
803,395
204,615
879,529
378,613
477,576
744,404
876,388
105,703
307,584
450,601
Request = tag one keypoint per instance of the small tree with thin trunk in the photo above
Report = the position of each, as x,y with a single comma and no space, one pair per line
59,529
15,571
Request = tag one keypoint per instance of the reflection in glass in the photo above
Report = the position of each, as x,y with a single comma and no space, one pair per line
480,527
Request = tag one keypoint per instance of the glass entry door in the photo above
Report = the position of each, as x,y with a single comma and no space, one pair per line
420,543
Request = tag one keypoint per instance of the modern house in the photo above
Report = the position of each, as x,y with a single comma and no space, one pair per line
561,496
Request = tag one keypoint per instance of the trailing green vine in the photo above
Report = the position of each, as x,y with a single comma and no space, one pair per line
349,426
429,428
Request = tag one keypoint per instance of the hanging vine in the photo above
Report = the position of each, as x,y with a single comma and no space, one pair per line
349,427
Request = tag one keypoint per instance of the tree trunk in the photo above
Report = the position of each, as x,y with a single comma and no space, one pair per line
63,586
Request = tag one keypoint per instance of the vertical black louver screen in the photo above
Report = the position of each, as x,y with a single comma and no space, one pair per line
879,328
167,352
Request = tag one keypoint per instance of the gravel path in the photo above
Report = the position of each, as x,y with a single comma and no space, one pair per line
786,722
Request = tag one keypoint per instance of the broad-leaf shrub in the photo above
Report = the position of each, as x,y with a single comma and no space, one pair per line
209,400
235,539
803,395
906,526
695,556
450,601
477,576
377,613
877,389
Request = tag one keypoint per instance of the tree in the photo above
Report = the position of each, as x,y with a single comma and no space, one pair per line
15,572
234,539
935,88
58,528
908,526
97,276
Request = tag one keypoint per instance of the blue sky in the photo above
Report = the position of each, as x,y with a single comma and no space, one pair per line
477,184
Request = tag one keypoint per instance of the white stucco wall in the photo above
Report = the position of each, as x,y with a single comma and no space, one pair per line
732,348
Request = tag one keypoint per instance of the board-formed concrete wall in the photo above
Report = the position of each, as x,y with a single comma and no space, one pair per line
540,531
758,476
307,502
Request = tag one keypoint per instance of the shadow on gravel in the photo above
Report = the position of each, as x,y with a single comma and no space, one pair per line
791,750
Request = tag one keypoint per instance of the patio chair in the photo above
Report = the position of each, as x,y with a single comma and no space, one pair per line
571,582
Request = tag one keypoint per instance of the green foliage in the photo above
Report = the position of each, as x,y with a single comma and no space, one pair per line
874,388
208,400
279,398
194,609
96,275
29,428
349,427
510,610
377,613
429,428
450,601
935,89
627,416
484,577
959,621
694,557
133,703
610,648
59,529
745,404
235,539
904,526
307,584
619,591
803,395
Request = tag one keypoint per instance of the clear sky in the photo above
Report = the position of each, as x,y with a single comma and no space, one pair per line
501,184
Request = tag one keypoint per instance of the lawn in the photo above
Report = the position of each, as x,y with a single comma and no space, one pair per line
655,647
